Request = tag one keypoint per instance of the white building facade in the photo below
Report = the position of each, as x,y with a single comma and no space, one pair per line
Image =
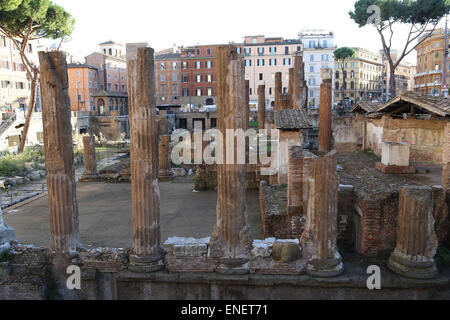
318,52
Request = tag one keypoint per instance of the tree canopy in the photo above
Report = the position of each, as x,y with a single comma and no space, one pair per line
34,18
344,53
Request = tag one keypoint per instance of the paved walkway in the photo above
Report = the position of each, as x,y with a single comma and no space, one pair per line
105,214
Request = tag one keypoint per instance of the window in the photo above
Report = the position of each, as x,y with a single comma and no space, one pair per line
175,88
209,78
248,63
79,97
311,57
239,50
270,91
109,86
324,57
185,78
286,61
20,85
199,92
198,78
78,84
312,82
163,77
184,65
209,91
336,86
311,69
337,74
90,84
325,43
198,52
5,64
273,50
260,62
208,64
248,51
272,62
162,66
174,65
198,64
299,48
260,51
261,77
312,43
3,41
123,88
436,55
163,88
286,50
174,77
208,52
185,92
116,87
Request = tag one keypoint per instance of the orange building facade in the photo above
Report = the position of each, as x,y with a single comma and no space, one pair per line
83,85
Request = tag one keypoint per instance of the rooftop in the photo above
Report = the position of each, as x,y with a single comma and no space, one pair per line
292,119
366,107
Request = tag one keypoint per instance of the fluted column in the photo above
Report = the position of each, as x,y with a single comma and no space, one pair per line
298,92
299,173
320,237
291,84
325,118
59,152
165,164
90,162
278,90
261,107
416,238
146,254
231,241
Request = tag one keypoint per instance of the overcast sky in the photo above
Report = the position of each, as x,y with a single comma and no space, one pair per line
188,22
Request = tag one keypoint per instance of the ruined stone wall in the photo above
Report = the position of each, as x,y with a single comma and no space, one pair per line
348,133
426,137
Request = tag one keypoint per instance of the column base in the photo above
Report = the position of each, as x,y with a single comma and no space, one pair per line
326,268
395,169
228,266
403,265
145,265
90,178
165,176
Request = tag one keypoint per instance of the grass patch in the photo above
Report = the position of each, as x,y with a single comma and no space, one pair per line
11,164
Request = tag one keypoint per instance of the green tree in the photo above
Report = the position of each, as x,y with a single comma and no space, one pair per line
23,21
422,15
340,56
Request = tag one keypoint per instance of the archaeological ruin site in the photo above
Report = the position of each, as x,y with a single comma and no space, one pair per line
319,199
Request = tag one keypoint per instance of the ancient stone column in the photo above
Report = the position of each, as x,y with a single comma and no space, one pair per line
446,158
261,107
416,238
7,234
58,149
146,255
165,164
299,83
231,241
247,105
278,90
90,162
325,117
291,83
299,173
319,239
446,176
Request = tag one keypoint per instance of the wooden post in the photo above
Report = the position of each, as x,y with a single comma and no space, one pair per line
146,255
58,148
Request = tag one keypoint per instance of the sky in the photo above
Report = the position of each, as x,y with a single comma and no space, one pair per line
189,22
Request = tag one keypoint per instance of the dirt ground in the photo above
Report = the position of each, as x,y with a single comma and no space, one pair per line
359,171
105,214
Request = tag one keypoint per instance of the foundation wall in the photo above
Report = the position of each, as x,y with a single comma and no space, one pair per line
348,133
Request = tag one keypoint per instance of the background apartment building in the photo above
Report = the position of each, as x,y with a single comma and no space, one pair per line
168,78
198,75
264,57
430,62
14,83
404,75
363,77
83,85
318,52
111,67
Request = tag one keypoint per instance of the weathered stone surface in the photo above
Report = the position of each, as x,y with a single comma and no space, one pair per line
59,152
146,254
178,172
319,239
231,241
7,234
278,90
299,170
90,161
104,259
286,251
416,238
392,169
446,176
188,255
325,117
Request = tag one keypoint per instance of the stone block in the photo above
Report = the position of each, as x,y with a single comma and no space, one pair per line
393,169
395,154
